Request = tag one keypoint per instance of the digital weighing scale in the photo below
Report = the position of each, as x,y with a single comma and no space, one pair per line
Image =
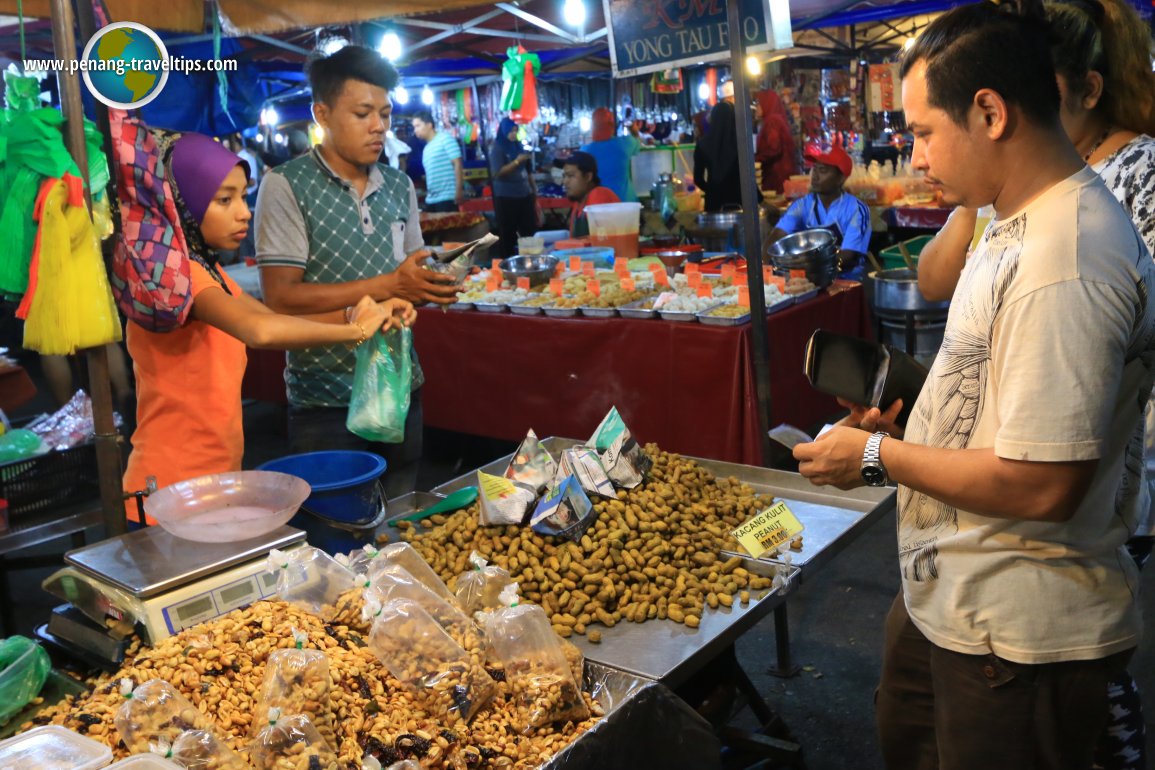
162,584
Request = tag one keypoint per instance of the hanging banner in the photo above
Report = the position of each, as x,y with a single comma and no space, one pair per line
655,35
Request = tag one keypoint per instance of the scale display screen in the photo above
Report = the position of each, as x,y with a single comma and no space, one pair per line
236,595
190,612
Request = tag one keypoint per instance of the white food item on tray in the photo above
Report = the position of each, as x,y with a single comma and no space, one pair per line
678,303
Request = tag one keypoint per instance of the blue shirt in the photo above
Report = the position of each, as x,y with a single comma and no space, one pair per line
850,214
613,157
440,178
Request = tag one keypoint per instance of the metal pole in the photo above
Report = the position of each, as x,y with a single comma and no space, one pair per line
759,337
107,440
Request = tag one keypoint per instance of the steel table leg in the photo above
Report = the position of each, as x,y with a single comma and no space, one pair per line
784,666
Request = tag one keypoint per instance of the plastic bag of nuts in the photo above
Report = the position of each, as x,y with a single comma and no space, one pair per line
536,668
404,555
422,656
480,588
395,582
310,579
202,750
296,681
154,713
291,743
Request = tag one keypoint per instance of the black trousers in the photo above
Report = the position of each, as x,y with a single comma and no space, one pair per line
515,216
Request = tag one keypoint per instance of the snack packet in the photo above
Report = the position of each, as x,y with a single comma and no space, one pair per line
532,466
202,750
405,556
291,742
536,668
297,681
623,459
154,713
502,501
310,579
565,511
480,588
583,463
422,656
395,582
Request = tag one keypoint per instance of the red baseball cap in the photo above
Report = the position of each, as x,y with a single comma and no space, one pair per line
835,156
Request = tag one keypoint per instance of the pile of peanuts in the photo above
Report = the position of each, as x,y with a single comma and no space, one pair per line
652,552
219,667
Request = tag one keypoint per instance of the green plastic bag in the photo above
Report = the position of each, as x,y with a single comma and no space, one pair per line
381,383
23,668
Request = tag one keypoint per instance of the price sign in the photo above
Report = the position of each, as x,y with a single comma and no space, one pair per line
588,269
495,264
739,280
661,279
575,264
628,284
744,296
523,283
767,274
797,273
559,268
779,281
556,286
620,265
705,290
492,283
692,268
656,268
768,530
594,287
694,280
728,270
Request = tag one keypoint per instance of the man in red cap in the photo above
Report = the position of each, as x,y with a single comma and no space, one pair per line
614,153
830,207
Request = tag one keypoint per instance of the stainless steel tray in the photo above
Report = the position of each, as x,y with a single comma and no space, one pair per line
635,310
411,503
519,308
709,320
459,305
805,295
598,312
780,305
491,307
560,312
678,315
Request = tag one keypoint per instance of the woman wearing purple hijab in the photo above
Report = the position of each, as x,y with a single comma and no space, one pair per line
189,380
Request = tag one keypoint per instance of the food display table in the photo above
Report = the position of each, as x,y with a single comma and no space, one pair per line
690,388
670,652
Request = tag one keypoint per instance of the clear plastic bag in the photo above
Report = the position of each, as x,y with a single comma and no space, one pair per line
24,667
359,561
406,556
395,582
155,713
381,385
536,669
202,750
480,588
531,465
422,656
312,580
297,681
291,743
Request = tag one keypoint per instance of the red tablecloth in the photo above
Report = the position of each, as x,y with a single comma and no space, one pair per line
688,387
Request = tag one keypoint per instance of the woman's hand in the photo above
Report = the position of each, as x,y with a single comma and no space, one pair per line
400,313
369,315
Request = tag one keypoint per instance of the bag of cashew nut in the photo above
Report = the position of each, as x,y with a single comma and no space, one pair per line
297,681
421,655
583,464
291,743
480,588
532,466
154,713
622,457
565,511
311,580
406,556
502,501
395,582
202,750
536,668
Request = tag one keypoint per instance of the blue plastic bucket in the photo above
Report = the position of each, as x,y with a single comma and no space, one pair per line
347,504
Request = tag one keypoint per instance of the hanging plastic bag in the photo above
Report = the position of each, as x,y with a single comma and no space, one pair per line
154,713
297,681
623,459
381,384
406,556
419,654
312,580
24,667
395,582
480,588
291,742
536,668
202,750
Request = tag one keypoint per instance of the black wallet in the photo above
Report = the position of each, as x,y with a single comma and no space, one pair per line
863,372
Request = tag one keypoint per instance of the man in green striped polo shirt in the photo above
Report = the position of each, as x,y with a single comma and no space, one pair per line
332,226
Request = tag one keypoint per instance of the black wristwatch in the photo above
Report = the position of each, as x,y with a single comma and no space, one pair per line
873,471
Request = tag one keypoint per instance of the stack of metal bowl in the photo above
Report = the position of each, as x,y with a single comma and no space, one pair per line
538,269
814,251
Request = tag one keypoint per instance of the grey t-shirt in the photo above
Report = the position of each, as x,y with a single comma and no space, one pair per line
512,185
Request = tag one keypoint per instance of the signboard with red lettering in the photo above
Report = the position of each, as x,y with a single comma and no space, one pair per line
653,35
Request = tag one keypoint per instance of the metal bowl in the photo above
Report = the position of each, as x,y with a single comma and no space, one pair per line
813,251
897,290
538,269
227,507
672,259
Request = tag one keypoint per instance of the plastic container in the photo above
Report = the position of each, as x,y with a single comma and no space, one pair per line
551,237
49,480
347,504
53,748
144,762
891,256
227,507
615,225
599,255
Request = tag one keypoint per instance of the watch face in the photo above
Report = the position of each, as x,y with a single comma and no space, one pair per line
873,475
